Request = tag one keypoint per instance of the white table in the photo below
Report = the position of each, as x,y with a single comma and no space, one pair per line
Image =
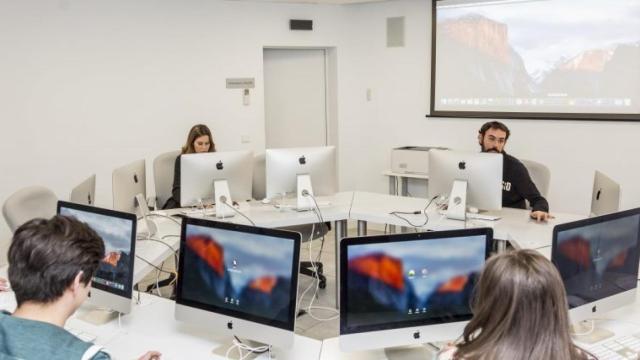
151,326
399,182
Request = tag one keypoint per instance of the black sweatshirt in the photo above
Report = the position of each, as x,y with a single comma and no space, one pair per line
174,200
517,186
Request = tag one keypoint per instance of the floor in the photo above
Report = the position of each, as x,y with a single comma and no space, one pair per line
320,323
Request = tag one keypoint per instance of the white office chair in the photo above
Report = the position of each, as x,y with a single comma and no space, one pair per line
29,203
163,167
85,192
540,175
127,182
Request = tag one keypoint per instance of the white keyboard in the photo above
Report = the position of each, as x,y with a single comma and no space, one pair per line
198,212
623,348
84,336
479,216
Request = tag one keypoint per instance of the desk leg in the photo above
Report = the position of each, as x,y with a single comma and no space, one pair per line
341,232
393,189
404,185
501,246
362,228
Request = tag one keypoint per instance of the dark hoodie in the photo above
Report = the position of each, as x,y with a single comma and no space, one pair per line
517,186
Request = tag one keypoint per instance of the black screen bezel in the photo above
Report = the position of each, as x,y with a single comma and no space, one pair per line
589,222
382,239
283,234
128,291
505,114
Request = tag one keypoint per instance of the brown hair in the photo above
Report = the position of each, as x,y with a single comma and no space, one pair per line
520,311
494,125
195,132
46,255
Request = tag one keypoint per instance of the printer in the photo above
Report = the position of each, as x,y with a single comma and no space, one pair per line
411,159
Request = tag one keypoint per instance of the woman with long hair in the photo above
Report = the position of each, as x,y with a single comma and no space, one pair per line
199,140
520,312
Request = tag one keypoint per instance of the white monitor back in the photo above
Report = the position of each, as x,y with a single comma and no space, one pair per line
482,171
129,181
284,166
605,197
85,192
199,171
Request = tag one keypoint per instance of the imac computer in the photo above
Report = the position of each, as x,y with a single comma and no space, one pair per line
297,169
408,289
85,192
238,280
605,198
224,174
111,285
470,179
127,182
598,261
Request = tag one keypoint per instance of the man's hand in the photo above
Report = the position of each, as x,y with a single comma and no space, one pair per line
4,284
541,216
150,355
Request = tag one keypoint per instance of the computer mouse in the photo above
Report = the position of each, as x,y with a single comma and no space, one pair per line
266,201
473,210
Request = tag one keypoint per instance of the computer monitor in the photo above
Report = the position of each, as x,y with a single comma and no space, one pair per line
127,182
238,280
405,289
229,172
85,192
605,198
470,179
301,170
598,261
111,285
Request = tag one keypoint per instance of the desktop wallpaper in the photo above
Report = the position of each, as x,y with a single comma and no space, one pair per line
238,271
599,260
115,268
559,55
429,280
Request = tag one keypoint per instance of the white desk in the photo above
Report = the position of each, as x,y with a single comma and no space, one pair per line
151,326
399,182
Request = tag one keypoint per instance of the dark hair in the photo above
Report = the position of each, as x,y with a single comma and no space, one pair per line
195,132
494,125
46,255
520,311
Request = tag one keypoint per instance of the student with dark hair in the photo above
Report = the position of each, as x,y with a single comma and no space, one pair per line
199,140
516,181
520,312
51,263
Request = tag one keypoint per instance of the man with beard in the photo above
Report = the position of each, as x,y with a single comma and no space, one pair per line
516,182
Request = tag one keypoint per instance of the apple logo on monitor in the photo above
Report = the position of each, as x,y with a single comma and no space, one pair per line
302,160
135,178
416,335
462,165
230,325
219,165
594,309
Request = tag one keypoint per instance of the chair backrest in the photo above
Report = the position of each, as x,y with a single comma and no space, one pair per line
127,182
29,203
85,192
540,175
163,167
259,177
605,197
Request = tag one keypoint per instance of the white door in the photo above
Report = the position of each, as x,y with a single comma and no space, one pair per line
295,98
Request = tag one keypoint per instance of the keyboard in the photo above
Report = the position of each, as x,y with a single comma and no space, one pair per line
198,212
479,216
84,336
623,348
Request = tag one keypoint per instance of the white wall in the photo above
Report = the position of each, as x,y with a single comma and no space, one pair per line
399,79
89,85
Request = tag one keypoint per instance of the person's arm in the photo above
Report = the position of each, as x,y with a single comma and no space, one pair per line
175,190
528,190
4,284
